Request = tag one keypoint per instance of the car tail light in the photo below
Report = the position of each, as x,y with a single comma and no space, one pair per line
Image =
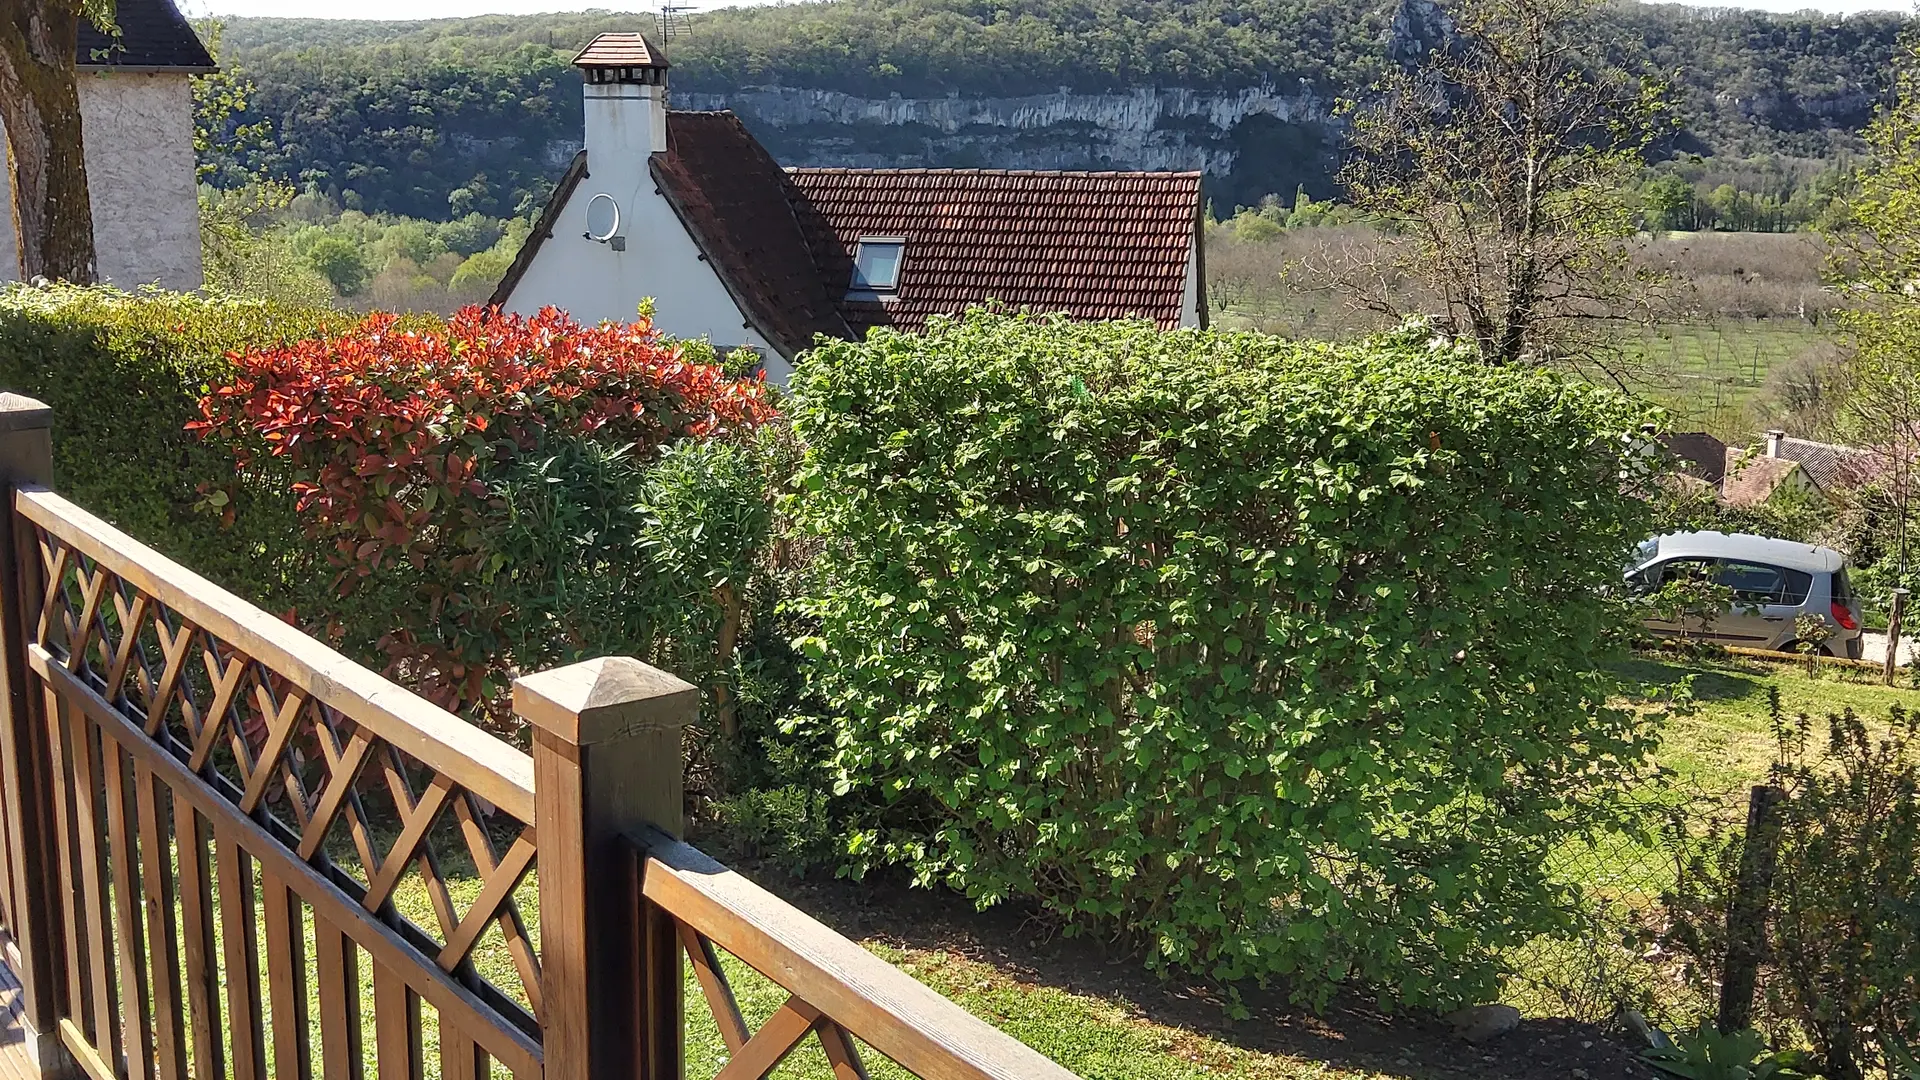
1844,616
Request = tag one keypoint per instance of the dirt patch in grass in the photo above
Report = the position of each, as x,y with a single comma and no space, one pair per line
1052,992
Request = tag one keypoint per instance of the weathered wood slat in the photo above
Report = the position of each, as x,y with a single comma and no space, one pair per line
460,1059
286,978
96,927
130,929
193,840
338,966
455,1004
842,1055
925,1033
772,1043
240,938
61,757
396,1026
715,988
480,763
163,929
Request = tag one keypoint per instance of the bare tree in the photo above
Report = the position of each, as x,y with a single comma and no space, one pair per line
40,104
1501,163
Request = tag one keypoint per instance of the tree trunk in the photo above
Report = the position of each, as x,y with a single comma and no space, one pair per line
40,104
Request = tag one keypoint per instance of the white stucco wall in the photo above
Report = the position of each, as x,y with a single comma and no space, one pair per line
593,282
138,131
1190,299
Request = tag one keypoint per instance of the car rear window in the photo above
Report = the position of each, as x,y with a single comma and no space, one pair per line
1758,583
1842,588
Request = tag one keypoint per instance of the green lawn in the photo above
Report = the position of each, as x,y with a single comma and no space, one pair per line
1719,748
1709,374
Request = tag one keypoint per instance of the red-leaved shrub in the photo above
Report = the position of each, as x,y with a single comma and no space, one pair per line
396,441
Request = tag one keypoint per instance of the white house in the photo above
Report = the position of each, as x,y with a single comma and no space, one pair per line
136,117
689,209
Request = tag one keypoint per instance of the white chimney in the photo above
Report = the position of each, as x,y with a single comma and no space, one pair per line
626,98
1773,443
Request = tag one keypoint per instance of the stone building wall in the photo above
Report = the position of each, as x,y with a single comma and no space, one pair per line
138,130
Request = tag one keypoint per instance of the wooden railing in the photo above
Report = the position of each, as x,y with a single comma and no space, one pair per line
228,851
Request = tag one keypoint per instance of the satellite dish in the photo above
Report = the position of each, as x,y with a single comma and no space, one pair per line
603,221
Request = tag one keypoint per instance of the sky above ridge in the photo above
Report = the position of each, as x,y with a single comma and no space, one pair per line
435,9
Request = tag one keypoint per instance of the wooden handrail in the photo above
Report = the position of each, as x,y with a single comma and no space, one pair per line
831,978
482,764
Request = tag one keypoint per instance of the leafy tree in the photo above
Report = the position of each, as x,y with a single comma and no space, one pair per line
1503,162
40,104
220,136
1669,203
1877,259
341,262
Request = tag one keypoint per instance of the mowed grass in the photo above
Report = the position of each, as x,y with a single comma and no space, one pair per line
1723,745
1725,742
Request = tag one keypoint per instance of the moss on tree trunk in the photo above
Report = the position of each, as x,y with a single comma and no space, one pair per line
40,103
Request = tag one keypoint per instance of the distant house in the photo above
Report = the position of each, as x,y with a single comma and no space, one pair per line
136,117
137,123
1699,454
689,209
1815,469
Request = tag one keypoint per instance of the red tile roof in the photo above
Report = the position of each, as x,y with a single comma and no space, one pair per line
1093,245
731,196
621,50
1752,480
1101,245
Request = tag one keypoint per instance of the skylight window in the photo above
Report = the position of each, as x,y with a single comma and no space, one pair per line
876,263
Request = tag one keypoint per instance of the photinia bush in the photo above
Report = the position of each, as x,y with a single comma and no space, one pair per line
477,485
1281,659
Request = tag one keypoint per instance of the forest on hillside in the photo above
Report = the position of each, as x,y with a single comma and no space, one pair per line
442,118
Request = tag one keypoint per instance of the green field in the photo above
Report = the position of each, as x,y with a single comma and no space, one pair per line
1711,375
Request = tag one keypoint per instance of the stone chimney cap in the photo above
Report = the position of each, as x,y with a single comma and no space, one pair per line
621,51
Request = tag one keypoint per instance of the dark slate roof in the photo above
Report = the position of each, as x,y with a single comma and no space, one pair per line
1829,466
732,197
1095,245
542,230
153,36
1701,455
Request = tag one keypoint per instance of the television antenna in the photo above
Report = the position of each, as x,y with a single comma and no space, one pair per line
676,20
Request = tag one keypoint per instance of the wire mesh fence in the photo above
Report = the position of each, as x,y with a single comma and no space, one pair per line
1610,957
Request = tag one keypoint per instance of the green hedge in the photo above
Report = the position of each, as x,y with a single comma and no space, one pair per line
1278,658
123,373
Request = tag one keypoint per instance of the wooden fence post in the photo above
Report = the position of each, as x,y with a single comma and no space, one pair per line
607,765
1894,616
31,874
1747,910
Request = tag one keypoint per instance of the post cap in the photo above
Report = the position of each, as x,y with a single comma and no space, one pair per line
602,700
18,412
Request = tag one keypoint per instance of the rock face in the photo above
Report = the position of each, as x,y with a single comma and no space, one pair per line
1269,138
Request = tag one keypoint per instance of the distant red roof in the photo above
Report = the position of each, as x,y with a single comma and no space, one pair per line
1096,245
621,50
731,196
1104,245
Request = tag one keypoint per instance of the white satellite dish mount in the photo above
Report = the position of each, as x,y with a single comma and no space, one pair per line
603,222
